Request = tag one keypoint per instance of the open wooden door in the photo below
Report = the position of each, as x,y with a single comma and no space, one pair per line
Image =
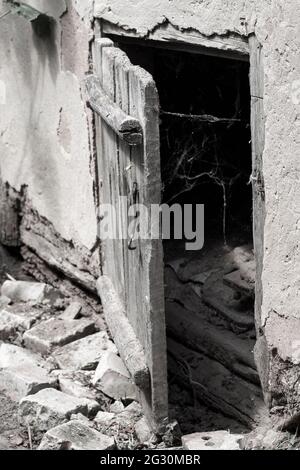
127,130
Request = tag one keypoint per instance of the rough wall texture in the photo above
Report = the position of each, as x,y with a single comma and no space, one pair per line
44,125
277,27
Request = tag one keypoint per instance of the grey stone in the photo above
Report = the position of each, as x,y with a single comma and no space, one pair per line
26,379
216,440
49,408
4,301
48,334
265,438
8,325
75,435
84,353
117,407
72,312
113,379
12,356
23,291
19,318
76,383
4,443
143,431
103,418
134,409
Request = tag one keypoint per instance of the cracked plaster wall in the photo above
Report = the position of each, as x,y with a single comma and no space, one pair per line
44,123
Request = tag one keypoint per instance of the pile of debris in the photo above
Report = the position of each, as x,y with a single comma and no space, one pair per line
211,332
62,377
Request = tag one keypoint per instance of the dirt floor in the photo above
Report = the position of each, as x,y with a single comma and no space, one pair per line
211,335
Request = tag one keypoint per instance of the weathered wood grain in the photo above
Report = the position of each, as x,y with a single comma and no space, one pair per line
125,339
258,144
134,267
230,46
127,128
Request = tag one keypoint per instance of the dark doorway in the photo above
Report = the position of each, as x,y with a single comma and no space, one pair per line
209,294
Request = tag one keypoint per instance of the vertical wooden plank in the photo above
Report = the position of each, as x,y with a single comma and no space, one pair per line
136,274
113,266
98,47
258,142
147,259
122,66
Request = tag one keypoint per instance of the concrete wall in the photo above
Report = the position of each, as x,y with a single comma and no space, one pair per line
277,26
44,124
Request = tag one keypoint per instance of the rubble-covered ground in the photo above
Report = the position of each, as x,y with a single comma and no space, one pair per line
63,384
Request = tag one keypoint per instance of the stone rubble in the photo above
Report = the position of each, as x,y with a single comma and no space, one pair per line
24,291
49,408
64,375
113,379
85,353
27,379
75,435
4,301
19,319
49,334
49,397
143,431
216,440
72,312
8,325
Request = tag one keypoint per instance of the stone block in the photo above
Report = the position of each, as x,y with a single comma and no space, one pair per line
72,312
8,325
49,408
113,379
23,291
20,319
76,435
143,431
47,335
84,353
20,381
216,440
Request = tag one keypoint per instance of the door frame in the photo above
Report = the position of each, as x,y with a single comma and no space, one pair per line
245,48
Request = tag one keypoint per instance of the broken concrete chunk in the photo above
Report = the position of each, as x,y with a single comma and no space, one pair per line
113,379
23,291
22,372
27,379
117,407
104,418
15,356
8,325
49,408
76,383
85,353
143,431
216,440
48,334
4,301
75,435
19,318
72,312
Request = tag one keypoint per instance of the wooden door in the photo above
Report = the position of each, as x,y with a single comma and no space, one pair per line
126,102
